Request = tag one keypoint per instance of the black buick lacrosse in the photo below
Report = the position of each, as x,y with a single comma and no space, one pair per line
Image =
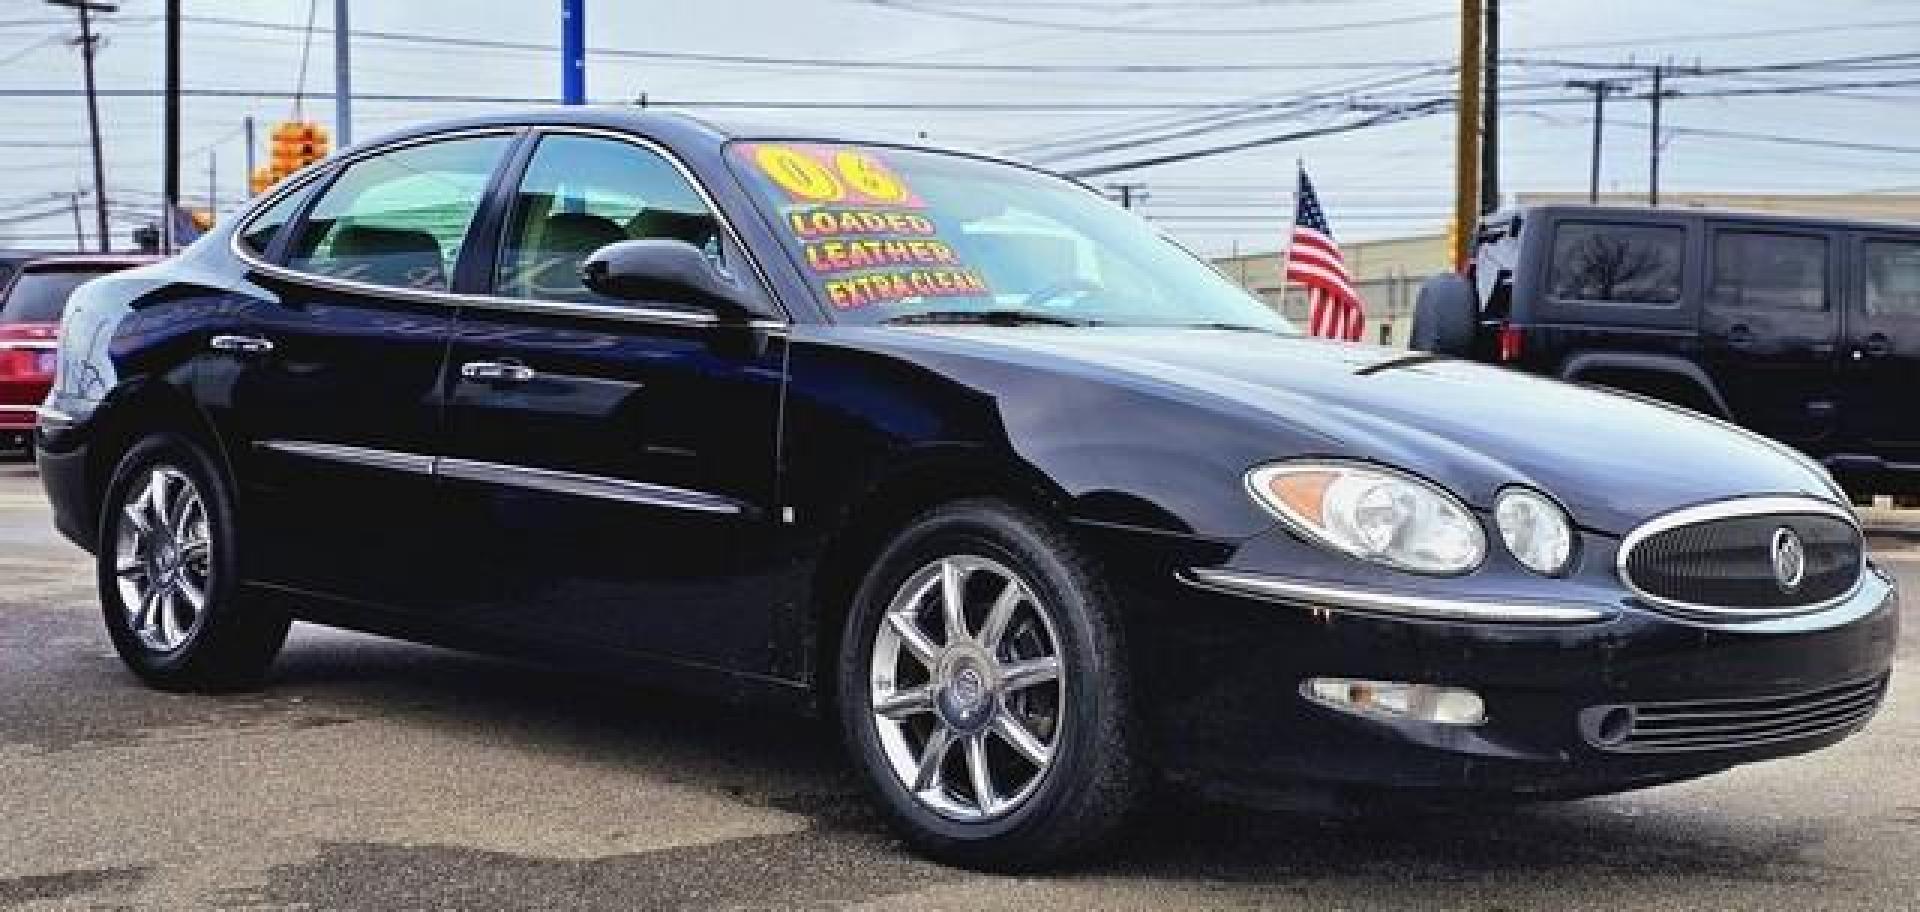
1033,502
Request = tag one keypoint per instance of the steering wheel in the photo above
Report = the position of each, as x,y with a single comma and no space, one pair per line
1073,290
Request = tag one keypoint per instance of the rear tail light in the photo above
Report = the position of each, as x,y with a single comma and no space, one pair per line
1512,341
26,352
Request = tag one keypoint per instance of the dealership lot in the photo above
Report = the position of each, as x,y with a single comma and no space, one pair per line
378,775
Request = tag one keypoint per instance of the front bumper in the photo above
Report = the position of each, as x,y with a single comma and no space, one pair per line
1221,667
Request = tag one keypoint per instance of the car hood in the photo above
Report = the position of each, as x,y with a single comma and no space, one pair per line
1614,460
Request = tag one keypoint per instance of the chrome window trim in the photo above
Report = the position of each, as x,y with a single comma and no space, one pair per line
492,302
595,486
1336,597
30,344
558,482
362,456
1736,508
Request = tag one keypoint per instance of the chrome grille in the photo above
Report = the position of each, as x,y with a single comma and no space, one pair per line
1719,558
1710,725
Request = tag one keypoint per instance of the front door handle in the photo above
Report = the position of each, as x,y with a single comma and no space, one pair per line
1878,345
243,344
1739,336
496,371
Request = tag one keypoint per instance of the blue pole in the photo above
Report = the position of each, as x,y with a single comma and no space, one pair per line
573,52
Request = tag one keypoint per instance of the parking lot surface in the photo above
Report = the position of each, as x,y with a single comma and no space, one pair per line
372,774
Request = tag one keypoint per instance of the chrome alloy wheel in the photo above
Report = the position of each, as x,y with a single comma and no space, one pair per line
969,714
163,554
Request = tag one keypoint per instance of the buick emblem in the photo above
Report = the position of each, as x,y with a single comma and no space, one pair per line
1789,559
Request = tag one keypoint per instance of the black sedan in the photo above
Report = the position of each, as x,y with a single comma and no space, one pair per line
1042,508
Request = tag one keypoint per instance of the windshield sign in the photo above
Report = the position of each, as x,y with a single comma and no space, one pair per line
892,234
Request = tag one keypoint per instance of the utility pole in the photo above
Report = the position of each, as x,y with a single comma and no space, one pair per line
1600,88
79,230
342,80
247,124
170,167
88,45
1490,117
573,52
213,198
1466,162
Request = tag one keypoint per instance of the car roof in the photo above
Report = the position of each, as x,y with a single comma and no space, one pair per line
666,124
1616,211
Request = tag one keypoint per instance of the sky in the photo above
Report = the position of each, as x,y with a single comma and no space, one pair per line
1059,57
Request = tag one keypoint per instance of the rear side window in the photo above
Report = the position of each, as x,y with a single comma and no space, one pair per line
1618,263
1893,278
1769,271
40,295
259,233
399,219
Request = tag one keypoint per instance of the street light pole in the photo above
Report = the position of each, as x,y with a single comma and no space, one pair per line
87,46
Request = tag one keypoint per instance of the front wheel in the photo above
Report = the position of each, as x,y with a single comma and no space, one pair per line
983,690
168,576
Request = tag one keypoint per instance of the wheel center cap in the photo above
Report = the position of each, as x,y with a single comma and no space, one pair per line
966,690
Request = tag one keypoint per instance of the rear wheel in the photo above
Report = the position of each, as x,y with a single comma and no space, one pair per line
982,689
167,574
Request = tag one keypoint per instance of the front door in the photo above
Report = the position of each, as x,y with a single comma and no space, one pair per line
610,466
1769,327
325,377
1881,354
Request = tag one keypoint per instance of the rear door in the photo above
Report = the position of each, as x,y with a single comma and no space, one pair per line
1881,352
1770,327
326,383
610,465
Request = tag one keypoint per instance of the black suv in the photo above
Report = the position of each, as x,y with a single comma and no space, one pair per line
1806,330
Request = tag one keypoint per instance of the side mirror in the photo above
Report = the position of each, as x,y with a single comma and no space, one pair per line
660,269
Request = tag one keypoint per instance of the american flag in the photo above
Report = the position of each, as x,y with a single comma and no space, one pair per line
1314,261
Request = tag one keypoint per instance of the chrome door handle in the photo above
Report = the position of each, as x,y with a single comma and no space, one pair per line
496,371
248,344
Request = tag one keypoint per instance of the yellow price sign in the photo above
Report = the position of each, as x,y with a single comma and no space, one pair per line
870,178
799,174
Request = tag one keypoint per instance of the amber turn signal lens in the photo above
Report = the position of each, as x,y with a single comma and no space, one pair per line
1304,493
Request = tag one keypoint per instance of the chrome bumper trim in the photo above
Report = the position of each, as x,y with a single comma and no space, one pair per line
1395,604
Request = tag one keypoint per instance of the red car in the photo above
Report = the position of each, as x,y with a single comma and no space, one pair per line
30,308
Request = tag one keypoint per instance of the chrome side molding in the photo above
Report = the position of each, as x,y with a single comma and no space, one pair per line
353,455
593,486
1333,597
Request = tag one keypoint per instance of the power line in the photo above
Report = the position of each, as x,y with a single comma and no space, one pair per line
970,15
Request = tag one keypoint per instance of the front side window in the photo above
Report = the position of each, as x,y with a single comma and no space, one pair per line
888,234
1893,278
1769,271
1617,263
581,193
399,218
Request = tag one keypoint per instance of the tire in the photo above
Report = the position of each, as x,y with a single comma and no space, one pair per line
980,687
1444,316
230,639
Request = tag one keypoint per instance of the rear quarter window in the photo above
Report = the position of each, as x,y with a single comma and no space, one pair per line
1769,271
1617,263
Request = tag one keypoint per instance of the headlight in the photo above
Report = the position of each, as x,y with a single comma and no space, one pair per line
1374,514
1535,529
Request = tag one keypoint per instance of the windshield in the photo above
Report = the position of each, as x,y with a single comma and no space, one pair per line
904,235
39,296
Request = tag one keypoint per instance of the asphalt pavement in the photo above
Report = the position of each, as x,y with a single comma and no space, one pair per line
378,775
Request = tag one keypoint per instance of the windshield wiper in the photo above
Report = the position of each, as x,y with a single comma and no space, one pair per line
1238,327
986,318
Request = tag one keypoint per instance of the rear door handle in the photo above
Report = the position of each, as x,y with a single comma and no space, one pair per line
245,344
1878,345
496,371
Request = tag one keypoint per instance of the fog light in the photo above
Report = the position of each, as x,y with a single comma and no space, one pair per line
1399,699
